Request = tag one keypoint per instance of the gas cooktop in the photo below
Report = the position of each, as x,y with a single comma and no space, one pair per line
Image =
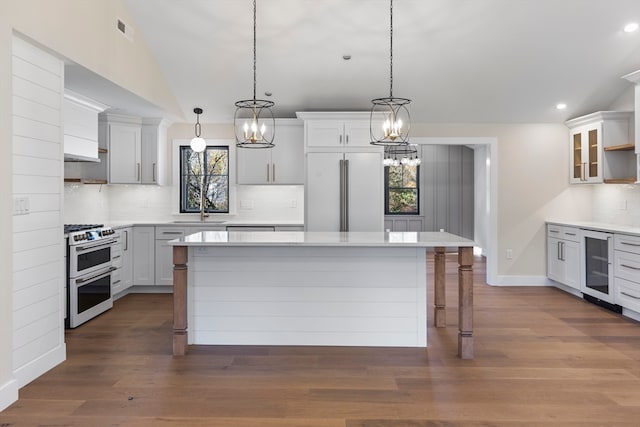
70,228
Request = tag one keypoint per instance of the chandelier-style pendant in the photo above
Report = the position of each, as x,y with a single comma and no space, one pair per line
390,120
396,155
253,121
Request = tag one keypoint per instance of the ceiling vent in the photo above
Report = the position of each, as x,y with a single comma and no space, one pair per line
125,29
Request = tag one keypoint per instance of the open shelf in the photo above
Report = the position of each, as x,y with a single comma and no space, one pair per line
621,147
620,181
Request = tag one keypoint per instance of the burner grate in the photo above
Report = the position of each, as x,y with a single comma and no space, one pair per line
70,228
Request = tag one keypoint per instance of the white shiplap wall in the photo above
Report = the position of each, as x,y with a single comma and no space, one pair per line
38,251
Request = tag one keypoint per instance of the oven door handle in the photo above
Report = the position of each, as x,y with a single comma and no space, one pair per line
104,273
102,243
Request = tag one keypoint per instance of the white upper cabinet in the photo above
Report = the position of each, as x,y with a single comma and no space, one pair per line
602,148
282,164
331,130
136,147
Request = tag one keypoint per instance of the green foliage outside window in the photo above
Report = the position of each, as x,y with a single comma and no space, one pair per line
401,190
210,168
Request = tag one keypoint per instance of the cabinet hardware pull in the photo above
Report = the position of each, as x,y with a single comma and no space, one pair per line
630,244
554,231
629,266
126,240
267,172
117,256
570,234
116,282
273,174
138,172
629,295
347,138
172,232
154,172
340,139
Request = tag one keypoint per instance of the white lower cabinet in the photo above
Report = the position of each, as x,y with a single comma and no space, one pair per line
164,253
563,255
144,256
626,250
126,271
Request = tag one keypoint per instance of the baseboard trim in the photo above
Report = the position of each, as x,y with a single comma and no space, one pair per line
522,281
8,393
32,370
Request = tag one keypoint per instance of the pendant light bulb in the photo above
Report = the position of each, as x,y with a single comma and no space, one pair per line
198,144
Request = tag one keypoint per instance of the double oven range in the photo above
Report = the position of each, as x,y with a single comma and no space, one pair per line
89,271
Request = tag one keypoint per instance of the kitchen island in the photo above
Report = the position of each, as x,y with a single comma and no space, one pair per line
315,288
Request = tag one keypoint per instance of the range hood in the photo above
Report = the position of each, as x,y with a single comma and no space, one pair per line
81,127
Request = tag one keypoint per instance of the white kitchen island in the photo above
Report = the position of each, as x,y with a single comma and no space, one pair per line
314,288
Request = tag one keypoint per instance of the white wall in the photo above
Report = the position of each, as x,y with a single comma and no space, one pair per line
616,204
38,250
481,197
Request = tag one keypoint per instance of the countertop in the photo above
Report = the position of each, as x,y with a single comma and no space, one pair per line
598,226
208,223
311,239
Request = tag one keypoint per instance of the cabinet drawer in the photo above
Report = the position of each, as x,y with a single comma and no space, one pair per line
563,232
623,242
116,256
628,294
626,266
169,233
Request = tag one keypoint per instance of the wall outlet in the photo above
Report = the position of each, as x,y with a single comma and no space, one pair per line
21,205
246,204
509,253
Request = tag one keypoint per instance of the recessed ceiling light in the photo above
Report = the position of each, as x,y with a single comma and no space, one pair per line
631,27
561,106
346,57
268,93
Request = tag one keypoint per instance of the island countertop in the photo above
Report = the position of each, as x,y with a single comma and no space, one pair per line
317,238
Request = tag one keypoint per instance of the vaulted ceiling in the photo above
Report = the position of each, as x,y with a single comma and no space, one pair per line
501,61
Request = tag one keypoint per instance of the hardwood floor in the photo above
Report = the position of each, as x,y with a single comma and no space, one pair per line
542,358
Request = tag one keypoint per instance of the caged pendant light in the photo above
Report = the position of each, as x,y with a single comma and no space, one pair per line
253,121
394,111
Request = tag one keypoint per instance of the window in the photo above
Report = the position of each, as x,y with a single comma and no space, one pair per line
215,179
401,192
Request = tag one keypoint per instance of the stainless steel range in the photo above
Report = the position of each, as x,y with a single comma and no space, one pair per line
89,271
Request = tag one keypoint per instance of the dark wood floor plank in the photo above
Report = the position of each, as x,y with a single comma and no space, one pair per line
542,358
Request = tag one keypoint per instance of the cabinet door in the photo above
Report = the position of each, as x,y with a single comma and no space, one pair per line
287,157
144,256
357,133
164,263
126,275
555,265
325,133
571,257
322,192
253,165
365,191
149,155
124,154
586,155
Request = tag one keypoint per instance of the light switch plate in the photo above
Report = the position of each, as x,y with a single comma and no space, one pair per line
21,205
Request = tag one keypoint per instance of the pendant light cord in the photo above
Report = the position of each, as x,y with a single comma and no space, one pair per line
254,50
390,50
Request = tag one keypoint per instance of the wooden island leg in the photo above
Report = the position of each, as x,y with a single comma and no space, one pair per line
439,289
465,302
179,300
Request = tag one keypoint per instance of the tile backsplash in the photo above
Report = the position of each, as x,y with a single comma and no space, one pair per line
616,204
84,203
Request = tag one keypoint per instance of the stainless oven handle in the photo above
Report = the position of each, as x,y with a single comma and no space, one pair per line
104,273
102,243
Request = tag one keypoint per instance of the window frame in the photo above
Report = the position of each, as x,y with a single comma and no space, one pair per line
176,143
387,188
183,150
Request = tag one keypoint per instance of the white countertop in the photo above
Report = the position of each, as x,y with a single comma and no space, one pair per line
209,223
299,238
598,226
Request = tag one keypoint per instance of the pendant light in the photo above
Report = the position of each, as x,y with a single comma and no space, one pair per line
198,144
253,121
394,111
396,155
